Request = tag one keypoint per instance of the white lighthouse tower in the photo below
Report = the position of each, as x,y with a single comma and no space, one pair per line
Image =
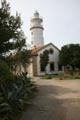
36,31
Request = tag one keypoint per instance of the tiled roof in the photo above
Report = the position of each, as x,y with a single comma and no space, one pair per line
35,50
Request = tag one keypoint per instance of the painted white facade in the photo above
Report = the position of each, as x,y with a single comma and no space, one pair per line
53,58
36,31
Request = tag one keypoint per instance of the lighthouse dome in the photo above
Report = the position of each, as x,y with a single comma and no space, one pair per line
36,14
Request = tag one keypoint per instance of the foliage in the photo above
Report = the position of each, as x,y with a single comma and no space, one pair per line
44,58
14,95
5,73
15,91
70,56
12,39
21,58
11,35
63,76
47,77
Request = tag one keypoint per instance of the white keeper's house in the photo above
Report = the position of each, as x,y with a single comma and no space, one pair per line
37,47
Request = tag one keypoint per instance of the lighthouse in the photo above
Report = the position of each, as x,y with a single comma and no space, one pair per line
38,47
36,31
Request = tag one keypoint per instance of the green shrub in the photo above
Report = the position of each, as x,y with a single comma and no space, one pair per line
63,76
5,73
14,95
47,77
76,76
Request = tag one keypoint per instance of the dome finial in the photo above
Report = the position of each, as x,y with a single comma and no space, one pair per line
36,14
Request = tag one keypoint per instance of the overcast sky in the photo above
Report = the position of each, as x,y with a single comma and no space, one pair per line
61,19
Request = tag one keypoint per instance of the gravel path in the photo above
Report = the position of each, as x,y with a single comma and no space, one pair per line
56,100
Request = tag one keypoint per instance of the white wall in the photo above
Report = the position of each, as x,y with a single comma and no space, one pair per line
52,58
37,37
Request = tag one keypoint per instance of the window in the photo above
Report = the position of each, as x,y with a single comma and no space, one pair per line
52,66
51,51
59,66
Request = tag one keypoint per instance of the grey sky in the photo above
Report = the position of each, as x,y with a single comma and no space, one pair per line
61,19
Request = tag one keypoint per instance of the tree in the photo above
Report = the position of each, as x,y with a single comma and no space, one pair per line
20,59
5,73
12,39
11,34
44,59
14,90
70,56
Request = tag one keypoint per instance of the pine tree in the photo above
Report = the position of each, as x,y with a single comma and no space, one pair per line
11,34
12,38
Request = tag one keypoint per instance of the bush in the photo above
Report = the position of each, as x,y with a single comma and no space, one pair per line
47,77
61,76
14,95
5,73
